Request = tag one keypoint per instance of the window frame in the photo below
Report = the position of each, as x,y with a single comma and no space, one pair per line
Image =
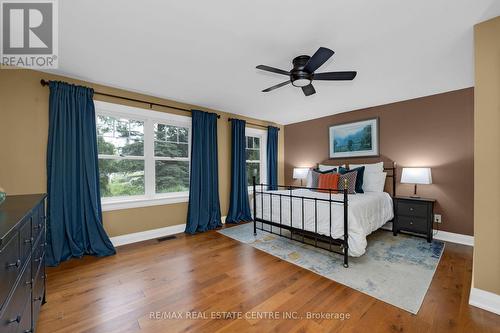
150,118
262,135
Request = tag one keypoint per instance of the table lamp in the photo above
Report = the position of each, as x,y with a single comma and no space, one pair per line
416,176
300,173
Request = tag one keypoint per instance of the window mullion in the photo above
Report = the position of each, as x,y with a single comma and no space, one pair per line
149,163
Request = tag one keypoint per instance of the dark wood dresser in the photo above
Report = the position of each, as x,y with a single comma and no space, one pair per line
22,262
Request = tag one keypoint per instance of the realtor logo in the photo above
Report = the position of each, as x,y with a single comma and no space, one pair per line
29,34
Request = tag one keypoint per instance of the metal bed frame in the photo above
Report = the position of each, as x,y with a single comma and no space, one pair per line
301,234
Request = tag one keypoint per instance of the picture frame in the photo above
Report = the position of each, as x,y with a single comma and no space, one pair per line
354,139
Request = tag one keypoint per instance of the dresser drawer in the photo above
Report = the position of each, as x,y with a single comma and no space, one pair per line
10,266
14,311
415,224
411,209
25,239
38,290
25,324
38,221
38,251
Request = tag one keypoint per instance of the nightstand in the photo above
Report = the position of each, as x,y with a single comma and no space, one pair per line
413,215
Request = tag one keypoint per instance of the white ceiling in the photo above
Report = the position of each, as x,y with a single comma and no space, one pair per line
205,52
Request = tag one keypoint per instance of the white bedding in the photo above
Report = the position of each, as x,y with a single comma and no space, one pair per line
366,213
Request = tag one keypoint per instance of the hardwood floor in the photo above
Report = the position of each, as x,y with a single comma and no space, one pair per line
207,274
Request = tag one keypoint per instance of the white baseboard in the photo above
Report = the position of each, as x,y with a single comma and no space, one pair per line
148,234
485,300
454,238
175,229
444,236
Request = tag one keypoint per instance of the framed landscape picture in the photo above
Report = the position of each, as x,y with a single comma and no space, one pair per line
355,139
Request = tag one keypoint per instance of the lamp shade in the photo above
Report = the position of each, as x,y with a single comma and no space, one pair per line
416,176
300,173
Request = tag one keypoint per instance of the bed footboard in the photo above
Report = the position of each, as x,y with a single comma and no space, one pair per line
300,233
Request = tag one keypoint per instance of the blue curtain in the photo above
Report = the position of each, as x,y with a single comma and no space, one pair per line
204,206
74,200
239,205
272,157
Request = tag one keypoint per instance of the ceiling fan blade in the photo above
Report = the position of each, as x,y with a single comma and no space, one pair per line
318,59
276,86
335,76
272,69
308,90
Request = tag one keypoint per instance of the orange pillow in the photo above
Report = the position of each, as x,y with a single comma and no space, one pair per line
328,181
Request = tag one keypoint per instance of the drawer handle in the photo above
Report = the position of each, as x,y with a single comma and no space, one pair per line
28,331
15,264
38,226
38,299
30,282
411,209
411,222
29,240
15,320
38,259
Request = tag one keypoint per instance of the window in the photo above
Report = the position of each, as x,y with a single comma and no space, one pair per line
144,156
171,151
120,144
256,155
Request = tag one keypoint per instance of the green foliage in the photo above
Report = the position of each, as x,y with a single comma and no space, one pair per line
172,176
124,177
252,154
253,169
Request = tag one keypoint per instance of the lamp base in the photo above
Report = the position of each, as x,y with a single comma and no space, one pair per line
415,196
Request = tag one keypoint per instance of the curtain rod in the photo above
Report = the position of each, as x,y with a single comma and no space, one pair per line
249,123
46,83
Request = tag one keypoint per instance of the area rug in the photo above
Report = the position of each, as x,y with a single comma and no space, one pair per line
397,270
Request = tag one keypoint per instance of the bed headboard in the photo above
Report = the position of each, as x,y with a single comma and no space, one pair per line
389,167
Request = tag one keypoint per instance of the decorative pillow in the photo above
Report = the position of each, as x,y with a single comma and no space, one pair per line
359,177
374,181
351,181
374,167
309,178
324,167
328,181
315,176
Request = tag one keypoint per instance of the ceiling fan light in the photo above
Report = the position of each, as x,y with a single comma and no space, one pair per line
301,82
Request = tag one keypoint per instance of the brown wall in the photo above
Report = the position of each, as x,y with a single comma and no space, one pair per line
23,144
487,157
434,131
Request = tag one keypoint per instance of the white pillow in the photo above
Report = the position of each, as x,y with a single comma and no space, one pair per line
374,167
374,181
309,179
324,167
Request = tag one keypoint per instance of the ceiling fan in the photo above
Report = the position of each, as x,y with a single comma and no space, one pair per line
302,74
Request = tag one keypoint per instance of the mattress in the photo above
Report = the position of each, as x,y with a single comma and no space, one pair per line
366,213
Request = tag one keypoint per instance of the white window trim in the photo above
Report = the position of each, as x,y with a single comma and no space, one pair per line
262,135
149,117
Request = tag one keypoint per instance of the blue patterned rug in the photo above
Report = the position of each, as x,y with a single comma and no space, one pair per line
396,270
